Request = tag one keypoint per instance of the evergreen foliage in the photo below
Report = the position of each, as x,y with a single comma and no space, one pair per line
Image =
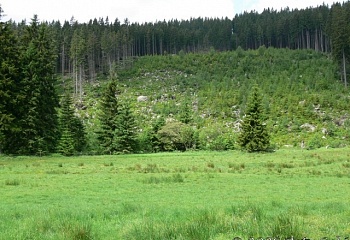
254,136
124,140
66,143
88,49
339,29
9,75
109,111
39,121
154,137
193,79
79,134
117,133
185,112
73,137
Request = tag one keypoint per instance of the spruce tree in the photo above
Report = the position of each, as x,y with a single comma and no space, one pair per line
109,109
79,134
9,94
156,143
38,120
186,112
125,135
254,136
73,137
66,143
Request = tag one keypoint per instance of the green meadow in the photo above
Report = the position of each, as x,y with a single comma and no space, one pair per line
191,195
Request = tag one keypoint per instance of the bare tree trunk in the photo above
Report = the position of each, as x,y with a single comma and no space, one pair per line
75,72
321,38
80,81
62,60
161,46
344,69
153,45
316,41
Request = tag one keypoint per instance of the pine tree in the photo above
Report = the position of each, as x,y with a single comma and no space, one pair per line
254,136
109,109
125,135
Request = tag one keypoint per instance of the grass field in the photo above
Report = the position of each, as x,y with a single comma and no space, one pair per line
192,195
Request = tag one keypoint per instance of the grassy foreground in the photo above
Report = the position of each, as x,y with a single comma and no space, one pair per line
192,195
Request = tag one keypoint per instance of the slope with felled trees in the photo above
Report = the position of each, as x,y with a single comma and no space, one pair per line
301,95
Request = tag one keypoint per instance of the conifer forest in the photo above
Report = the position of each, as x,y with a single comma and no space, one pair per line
111,86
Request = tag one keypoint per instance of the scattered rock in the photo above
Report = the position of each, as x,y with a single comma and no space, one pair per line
317,107
340,121
142,98
310,127
237,126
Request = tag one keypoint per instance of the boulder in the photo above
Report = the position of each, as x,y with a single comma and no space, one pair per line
142,98
308,126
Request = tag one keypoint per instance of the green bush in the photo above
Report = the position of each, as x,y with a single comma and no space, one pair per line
176,136
315,142
216,138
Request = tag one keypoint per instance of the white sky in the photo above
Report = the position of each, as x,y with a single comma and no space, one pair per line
140,10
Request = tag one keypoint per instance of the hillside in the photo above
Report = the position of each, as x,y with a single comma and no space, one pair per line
303,99
197,71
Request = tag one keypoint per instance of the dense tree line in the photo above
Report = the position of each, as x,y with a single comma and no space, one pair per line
28,100
87,49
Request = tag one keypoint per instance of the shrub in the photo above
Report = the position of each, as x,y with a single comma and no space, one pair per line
216,138
176,136
315,142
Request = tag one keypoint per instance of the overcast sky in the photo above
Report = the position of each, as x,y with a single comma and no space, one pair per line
140,10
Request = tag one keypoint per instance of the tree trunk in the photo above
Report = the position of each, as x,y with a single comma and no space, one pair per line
344,69
316,41
80,81
62,60
75,71
161,46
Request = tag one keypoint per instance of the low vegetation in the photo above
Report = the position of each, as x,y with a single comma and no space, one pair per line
198,101
192,195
